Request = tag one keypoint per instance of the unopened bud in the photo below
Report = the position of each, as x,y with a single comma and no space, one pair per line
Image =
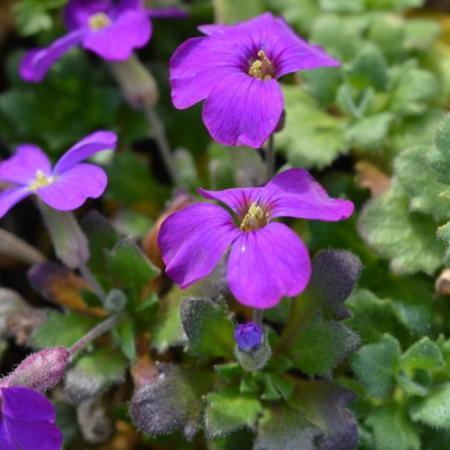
39,371
69,241
252,349
136,82
115,300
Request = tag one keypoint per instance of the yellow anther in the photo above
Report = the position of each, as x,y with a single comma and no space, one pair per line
254,219
99,21
41,181
261,67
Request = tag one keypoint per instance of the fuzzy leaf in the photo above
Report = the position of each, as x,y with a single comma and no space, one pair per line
370,133
376,365
407,239
434,410
171,402
439,156
208,328
229,410
424,354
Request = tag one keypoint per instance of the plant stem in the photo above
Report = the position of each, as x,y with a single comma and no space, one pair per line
90,278
258,315
93,334
159,134
270,158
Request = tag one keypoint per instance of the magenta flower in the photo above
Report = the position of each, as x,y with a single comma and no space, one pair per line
27,421
111,29
65,187
267,260
235,69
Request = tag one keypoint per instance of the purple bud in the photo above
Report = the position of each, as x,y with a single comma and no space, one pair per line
39,371
249,336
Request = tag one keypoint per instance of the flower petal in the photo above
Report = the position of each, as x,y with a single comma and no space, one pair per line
266,264
295,193
132,29
27,405
35,435
74,186
242,110
193,240
95,142
238,199
197,66
6,442
10,197
36,63
21,168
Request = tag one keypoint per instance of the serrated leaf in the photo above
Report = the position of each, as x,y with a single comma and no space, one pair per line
311,137
376,365
424,354
406,238
369,133
439,156
392,429
208,327
229,410
62,330
434,410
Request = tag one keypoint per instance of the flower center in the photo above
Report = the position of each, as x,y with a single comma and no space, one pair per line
41,181
254,219
99,21
262,67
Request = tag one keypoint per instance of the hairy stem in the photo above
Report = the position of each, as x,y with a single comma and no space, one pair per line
90,278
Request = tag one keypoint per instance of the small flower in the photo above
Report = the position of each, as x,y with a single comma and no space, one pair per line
235,69
111,29
267,260
249,336
65,187
27,421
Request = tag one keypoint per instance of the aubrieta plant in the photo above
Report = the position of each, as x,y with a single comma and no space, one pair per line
200,286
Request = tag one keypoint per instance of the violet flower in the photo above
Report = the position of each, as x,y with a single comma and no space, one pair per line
248,336
65,187
111,29
235,69
267,260
27,421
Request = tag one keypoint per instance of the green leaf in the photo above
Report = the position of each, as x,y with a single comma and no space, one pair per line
424,354
229,410
421,33
342,6
62,330
406,238
284,428
369,133
232,11
392,429
172,401
126,333
208,328
129,265
439,156
311,137
376,365
434,410
95,373
321,345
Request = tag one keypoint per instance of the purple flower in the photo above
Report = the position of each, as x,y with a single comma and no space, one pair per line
27,421
248,336
111,29
65,187
267,260
235,69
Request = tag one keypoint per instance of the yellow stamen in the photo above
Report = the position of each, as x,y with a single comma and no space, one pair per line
41,181
254,219
262,67
99,21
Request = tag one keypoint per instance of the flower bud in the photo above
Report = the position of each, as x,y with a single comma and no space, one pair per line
39,371
136,82
252,349
69,241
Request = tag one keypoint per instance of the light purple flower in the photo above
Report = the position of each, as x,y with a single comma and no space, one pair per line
267,260
235,69
27,421
65,187
111,29
249,336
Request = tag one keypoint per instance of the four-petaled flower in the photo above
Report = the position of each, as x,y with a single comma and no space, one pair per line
267,260
235,69
111,29
27,420
65,187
